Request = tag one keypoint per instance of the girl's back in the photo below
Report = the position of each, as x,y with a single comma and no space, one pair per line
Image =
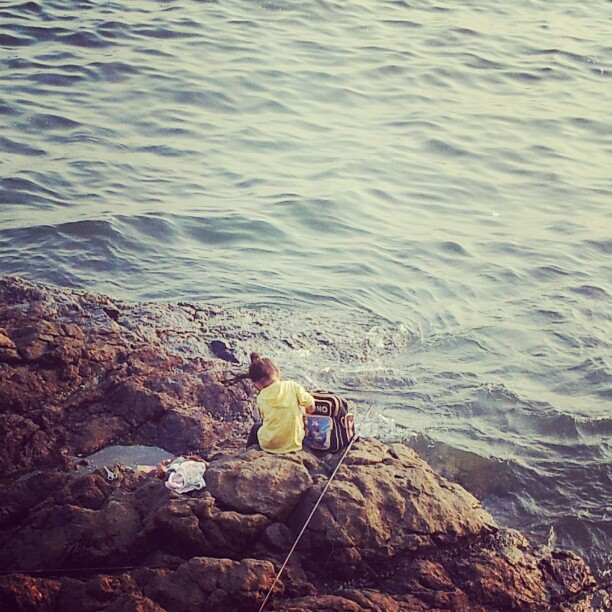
282,405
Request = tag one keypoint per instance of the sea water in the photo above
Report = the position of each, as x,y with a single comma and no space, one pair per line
411,197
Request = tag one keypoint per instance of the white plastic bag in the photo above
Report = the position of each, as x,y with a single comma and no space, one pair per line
185,475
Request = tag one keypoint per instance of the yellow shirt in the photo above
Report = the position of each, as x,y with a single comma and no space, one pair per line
281,406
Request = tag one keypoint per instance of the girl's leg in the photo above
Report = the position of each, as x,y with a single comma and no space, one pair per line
252,439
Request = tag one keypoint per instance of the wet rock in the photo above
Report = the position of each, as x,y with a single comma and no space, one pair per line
112,313
220,350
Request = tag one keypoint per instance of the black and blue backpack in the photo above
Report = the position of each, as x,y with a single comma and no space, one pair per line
331,426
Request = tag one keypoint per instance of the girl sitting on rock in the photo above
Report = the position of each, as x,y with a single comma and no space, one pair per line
281,405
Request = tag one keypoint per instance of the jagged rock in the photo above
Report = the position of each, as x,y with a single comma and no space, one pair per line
72,536
196,527
499,571
73,379
429,581
22,496
8,349
98,592
89,522
21,592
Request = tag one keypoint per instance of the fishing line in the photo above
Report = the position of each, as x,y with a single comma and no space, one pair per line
348,448
63,571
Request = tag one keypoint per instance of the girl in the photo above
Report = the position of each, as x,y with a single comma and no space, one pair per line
281,404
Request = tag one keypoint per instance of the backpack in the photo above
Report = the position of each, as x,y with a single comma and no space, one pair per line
331,426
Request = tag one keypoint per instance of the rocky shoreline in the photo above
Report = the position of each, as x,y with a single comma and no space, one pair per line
81,372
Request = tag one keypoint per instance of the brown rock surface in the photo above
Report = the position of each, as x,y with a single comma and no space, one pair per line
210,584
199,551
253,481
79,372
22,592
74,379
385,501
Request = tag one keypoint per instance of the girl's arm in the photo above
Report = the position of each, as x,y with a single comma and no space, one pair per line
305,400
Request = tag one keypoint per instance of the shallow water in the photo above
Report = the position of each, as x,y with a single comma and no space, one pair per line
130,456
414,197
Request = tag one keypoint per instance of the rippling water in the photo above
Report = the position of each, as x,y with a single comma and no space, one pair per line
414,196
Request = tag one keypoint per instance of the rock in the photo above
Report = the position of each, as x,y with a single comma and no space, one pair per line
319,603
22,592
349,600
8,349
386,502
183,430
89,522
210,584
498,571
72,378
230,531
105,592
221,351
18,498
86,523
255,481
568,572
278,536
